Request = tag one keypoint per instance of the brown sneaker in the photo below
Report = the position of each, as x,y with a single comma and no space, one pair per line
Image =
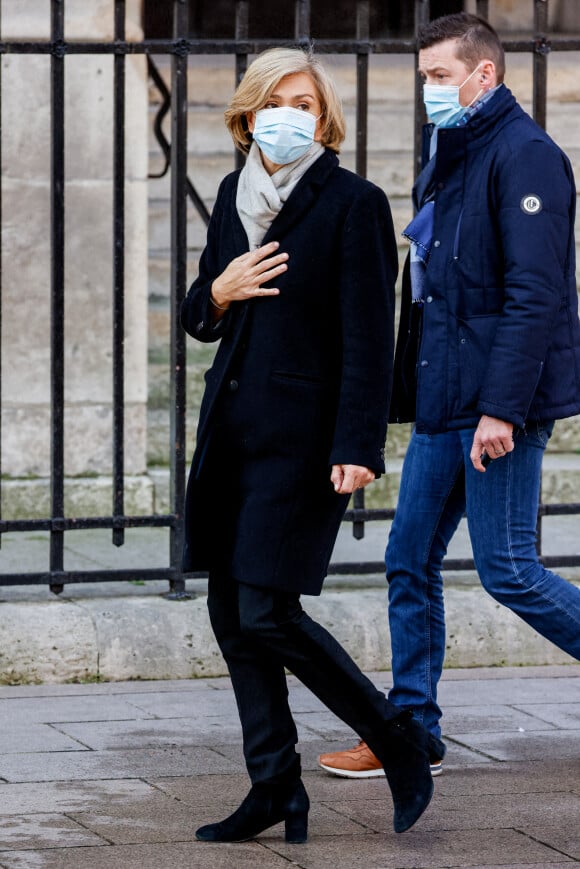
360,762
357,762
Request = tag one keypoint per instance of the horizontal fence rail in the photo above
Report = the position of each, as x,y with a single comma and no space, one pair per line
174,99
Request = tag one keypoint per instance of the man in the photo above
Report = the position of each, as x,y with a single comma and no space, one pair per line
488,356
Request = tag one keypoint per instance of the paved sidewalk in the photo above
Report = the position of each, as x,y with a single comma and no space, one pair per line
120,775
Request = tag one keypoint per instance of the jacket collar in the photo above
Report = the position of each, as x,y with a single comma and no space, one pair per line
492,116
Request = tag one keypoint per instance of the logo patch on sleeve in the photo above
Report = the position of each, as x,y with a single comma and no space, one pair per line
531,204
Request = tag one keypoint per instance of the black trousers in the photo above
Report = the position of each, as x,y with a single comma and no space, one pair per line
261,632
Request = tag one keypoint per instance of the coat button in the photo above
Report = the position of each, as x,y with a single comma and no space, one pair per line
437,243
424,363
429,299
233,385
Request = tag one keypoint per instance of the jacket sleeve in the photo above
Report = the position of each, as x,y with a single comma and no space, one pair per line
368,270
196,313
534,195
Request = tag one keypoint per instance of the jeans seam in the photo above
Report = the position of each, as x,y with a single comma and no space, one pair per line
425,566
555,603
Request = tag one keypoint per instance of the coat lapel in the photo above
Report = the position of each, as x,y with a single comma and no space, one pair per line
302,197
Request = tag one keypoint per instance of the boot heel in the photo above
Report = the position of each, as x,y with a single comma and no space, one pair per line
297,828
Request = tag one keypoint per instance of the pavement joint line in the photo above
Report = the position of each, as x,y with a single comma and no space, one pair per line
545,844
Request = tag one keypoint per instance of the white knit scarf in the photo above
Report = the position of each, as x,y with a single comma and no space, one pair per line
261,196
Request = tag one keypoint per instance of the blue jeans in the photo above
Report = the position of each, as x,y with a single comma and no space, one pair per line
439,485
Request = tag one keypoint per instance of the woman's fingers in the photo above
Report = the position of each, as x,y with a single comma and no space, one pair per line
244,276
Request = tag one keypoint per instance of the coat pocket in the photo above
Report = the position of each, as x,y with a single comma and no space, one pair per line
297,377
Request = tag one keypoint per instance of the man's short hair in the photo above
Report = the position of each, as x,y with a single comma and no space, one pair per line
476,40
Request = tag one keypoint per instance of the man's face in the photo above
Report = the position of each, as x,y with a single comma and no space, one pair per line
438,65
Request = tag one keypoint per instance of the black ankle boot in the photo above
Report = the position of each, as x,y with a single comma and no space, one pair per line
266,804
405,757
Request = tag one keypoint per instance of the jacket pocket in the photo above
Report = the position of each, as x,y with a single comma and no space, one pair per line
475,339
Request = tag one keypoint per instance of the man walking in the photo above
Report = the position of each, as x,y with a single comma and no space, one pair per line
488,357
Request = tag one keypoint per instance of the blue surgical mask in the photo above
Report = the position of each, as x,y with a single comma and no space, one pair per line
284,134
442,102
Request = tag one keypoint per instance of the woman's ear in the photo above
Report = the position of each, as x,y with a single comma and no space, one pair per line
250,121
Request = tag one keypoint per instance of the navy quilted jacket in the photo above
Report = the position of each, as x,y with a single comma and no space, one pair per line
499,332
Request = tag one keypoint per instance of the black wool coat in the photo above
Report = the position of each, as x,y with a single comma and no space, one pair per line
300,381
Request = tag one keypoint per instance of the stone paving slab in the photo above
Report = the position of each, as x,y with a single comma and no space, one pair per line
545,776
120,735
44,831
466,719
61,709
39,737
564,715
418,849
491,812
514,691
523,746
71,796
561,836
186,855
68,766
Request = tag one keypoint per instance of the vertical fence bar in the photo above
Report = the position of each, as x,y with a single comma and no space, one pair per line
302,22
57,210
362,95
178,281
540,67
363,35
482,9
422,12
242,33
1,493
539,111
119,276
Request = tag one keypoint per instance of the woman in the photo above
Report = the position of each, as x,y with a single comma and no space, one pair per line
297,280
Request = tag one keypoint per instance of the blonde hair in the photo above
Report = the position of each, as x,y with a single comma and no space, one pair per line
259,82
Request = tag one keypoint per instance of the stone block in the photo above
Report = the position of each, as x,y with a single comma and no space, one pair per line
88,496
154,639
27,19
45,643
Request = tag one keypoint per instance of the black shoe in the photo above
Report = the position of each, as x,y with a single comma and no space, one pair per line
266,804
406,761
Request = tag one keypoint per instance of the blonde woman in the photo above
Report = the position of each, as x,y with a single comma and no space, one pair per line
297,280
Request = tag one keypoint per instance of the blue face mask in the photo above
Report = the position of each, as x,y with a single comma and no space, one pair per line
442,102
284,134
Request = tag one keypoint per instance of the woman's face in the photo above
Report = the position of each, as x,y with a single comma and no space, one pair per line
296,91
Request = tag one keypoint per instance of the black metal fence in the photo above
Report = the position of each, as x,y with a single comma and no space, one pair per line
178,49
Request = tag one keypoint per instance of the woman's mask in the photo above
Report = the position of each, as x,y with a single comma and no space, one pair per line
284,134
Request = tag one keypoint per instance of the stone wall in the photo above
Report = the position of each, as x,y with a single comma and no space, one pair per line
89,246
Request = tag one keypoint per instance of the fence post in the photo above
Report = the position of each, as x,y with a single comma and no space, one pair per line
57,205
540,68
178,281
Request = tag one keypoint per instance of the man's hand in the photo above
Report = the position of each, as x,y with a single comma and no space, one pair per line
347,478
492,436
